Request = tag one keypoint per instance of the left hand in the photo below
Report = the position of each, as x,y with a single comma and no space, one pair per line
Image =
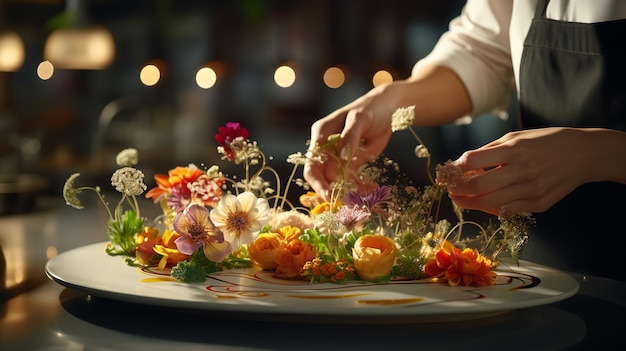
526,171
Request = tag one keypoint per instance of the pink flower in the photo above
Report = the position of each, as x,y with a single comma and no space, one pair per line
196,230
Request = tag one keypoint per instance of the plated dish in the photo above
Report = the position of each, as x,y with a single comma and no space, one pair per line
254,293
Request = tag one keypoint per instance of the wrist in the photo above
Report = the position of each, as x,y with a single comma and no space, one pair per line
606,155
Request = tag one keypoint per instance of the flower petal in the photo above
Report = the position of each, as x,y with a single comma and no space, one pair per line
247,201
181,223
186,245
217,252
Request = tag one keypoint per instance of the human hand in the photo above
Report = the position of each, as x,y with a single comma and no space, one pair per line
527,171
365,129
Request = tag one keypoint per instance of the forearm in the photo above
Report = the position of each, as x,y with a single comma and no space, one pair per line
606,155
439,96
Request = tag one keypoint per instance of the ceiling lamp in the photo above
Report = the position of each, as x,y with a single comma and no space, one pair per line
79,44
11,51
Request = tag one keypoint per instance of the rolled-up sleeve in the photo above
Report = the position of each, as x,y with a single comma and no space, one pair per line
476,47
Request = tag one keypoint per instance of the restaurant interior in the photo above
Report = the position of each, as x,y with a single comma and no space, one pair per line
81,80
162,76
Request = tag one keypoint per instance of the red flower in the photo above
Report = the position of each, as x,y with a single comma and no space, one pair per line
461,267
226,134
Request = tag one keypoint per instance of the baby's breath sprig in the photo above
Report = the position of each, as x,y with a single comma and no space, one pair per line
123,224
236,146
402,119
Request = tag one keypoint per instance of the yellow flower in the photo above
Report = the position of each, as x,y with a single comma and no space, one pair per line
373,256
264,249
168,250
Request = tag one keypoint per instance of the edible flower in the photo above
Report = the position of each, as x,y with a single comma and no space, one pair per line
461,267
196,230
240,217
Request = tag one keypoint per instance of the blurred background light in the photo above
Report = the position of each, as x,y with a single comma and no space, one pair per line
284,76
382,77
11,51
77,43
206,77
334,77
45,70
152,73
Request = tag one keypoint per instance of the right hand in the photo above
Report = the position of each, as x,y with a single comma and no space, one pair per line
365,129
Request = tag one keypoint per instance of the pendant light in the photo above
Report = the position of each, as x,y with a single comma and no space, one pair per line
11,46
79,44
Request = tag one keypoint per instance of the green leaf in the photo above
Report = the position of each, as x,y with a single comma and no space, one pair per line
122,232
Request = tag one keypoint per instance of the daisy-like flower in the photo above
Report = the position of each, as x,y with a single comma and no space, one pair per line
196,230
240,217
402,118
70,192
128,181
127,157
226,136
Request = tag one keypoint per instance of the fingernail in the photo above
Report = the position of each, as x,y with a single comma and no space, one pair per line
344,154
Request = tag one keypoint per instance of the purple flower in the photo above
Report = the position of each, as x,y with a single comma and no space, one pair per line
196,230
368,199
352,216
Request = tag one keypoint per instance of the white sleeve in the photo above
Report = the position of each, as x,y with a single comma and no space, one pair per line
476,47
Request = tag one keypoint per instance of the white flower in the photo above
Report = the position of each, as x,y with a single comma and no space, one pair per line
240,217
297,159
127,157
70,193
402,118
128,181
421,151
214,171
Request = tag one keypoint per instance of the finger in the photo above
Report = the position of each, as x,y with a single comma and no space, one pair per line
488,181
351,135
484,158
510,196
315,175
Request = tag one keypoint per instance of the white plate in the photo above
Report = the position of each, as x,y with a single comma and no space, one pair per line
261,294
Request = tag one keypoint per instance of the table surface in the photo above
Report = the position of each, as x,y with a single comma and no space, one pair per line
39,314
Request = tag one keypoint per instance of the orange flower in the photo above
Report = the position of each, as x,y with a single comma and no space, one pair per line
146,240
373,256
177,177
293,255
264,249
461,267
310,199
168,250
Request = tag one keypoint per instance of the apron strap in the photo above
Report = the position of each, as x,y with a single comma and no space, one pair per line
540,11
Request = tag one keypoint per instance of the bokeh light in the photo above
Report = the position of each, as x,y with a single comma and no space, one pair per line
382,77
45,70
284,76
206,77
150,74
334,77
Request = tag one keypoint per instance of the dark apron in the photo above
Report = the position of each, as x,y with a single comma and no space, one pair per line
574,74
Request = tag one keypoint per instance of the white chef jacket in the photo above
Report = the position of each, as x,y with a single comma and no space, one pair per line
484,43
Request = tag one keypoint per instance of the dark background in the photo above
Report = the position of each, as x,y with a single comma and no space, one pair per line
174,122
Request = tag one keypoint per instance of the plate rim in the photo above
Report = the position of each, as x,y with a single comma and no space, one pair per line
249,311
